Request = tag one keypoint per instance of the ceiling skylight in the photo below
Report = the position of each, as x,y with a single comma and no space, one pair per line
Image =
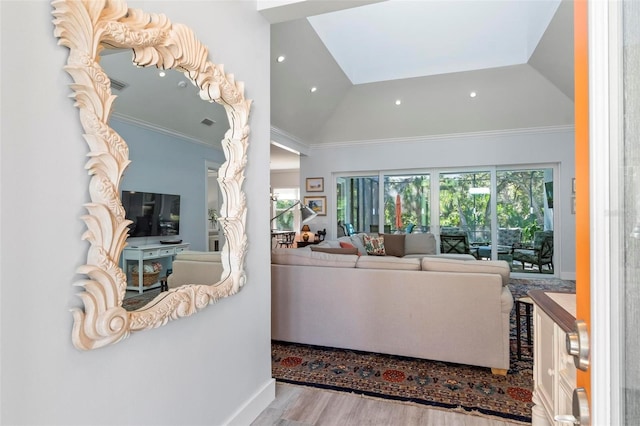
398,39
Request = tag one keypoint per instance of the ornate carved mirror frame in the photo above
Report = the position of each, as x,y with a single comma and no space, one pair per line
86,27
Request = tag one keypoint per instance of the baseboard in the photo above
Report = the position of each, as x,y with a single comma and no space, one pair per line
255,405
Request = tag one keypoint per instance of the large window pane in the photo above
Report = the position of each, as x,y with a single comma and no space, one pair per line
357,201
525,218
413,192
465,204
525,200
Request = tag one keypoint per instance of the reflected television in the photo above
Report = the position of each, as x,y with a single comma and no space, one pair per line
152,214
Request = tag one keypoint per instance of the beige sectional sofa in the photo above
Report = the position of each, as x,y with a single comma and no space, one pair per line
195,267
427,307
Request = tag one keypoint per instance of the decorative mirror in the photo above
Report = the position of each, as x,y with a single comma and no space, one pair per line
86,28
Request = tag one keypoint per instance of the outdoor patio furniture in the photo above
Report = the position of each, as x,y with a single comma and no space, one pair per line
541,254
456,244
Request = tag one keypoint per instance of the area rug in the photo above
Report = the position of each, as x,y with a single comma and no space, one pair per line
434,383
137,301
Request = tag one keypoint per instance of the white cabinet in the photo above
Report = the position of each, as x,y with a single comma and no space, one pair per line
554,373
164,253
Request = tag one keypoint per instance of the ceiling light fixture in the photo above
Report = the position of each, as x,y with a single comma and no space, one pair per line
473,94
313,89
162,73
280,58
398,101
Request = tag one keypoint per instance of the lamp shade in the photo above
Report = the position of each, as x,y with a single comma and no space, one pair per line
305,228
306,213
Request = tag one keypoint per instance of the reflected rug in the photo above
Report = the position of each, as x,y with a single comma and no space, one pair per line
137,301
434,383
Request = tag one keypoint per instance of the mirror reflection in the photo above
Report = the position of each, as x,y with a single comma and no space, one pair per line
169,191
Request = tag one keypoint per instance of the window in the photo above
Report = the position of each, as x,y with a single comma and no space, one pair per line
522,201
412,192
465,204
357,201
284,199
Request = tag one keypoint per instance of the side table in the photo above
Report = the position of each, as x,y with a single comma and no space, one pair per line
527,304
301,244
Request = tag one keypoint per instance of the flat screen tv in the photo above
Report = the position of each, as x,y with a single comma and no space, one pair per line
152,214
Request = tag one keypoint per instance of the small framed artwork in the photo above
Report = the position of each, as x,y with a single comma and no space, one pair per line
317,204
315,184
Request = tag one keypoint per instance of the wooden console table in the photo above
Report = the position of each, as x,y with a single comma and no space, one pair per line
165,253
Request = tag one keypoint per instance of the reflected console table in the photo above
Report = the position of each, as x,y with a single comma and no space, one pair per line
163,253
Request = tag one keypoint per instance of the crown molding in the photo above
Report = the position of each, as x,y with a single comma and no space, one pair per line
159,129
429,138
288,141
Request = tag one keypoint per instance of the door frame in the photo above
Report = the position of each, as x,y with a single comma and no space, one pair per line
605,142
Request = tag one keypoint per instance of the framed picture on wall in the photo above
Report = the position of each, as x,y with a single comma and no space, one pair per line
317,204
315,184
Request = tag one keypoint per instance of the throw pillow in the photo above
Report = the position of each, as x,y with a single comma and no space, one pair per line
352,250
346,245
374,245
394,244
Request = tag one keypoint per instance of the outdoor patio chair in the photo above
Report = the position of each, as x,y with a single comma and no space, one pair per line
455,244
349,229
541,254
509,237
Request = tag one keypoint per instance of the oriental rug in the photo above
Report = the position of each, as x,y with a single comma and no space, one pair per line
438,384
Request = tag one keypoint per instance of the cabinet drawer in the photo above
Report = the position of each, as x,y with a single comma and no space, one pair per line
167,251
149,253
180,249
566,366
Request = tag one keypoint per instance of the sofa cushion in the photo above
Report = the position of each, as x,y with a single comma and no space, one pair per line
351,250
388,262
374,245
394,244
440,264
303,257
199,256
420,243
358,241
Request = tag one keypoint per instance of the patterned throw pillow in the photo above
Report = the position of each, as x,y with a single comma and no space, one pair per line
374,245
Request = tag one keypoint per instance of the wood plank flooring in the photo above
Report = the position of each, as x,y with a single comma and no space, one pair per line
305,406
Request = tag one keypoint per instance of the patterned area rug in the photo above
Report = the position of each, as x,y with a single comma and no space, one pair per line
434,383
137,301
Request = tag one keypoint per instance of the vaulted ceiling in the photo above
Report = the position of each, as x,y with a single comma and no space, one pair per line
517,56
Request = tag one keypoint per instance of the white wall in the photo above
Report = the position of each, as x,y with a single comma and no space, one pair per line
203,369
523,147
285,178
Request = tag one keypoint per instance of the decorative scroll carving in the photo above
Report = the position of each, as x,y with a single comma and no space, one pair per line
86,27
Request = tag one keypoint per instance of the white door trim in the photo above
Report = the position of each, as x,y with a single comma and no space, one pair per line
604,141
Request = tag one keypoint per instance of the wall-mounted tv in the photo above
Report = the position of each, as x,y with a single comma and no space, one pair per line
152,214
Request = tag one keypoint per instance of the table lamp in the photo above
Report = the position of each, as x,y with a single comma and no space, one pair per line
305,229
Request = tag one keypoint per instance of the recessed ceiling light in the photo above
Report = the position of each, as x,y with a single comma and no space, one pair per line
280,58
398,101
162,73
473,94
313,89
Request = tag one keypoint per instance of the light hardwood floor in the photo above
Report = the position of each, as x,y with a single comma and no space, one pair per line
305,406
